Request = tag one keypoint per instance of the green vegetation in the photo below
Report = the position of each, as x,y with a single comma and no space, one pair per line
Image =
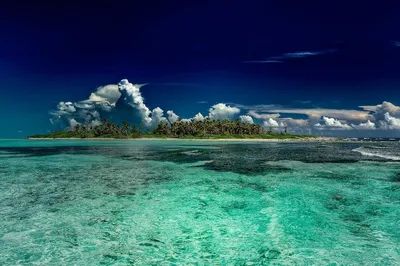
206,129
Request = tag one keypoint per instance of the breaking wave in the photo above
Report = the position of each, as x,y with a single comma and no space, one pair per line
381,152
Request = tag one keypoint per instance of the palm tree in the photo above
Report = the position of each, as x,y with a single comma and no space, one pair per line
125,127
176,129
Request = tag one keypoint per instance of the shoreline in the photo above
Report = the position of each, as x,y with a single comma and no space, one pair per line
319,139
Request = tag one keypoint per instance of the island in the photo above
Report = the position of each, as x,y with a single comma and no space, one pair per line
180,129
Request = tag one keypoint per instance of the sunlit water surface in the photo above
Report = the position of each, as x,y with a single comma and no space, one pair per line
202,203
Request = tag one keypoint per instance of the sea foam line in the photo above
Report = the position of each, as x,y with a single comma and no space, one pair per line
365,153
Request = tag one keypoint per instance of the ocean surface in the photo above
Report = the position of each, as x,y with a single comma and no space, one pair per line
199,203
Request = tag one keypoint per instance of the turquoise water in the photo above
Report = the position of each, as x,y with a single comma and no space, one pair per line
199,203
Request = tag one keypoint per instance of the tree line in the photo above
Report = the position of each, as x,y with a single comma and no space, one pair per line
206,128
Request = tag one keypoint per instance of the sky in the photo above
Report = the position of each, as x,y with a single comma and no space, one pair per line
322,67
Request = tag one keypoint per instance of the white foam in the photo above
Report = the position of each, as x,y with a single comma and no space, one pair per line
380,155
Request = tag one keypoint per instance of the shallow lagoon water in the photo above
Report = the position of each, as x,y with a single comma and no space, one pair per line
201,203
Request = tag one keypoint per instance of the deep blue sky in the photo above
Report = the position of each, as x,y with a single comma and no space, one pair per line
190,52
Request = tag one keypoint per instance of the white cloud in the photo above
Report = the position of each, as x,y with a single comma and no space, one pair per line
390,122
264,111
316,114
386,107
133,97
365,126
86,104
263,116
198,117
73,123
102,103
386,115
222,111
67,107
172,117
272,123
109,93
246,119
157,116
331,123
293,123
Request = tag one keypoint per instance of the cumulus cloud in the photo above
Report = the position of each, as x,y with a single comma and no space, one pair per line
365,126
70,114
198,117
114,100
386,115
132,96
271,123
331,123
222,111
105,101
172,117
64,109
246,119
99,105
386,107
109,94
390,122
157,116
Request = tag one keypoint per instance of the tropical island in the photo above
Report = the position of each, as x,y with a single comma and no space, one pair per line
181,129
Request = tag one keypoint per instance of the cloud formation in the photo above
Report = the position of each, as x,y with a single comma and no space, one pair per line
124,101
272,123
222,111
104,103
295,123
294,55
132,96
386,107
172,117
331,123
263,116
198,117
109,94
316,114
390,122
385,115
70,114
395,43
365,126
246,119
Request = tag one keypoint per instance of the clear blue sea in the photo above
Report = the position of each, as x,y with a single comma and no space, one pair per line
199,203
